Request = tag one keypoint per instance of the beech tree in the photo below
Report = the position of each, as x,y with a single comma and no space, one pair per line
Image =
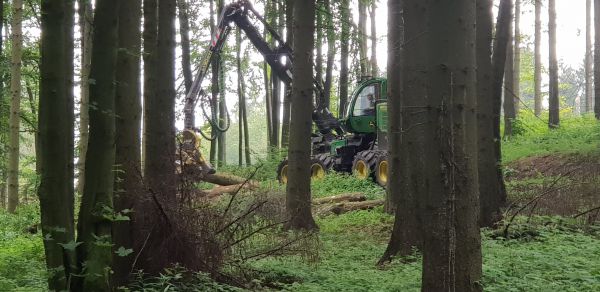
298,197
538,59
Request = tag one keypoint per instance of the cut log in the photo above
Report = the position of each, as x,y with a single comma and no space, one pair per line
341,208
224,179
221,190
349,197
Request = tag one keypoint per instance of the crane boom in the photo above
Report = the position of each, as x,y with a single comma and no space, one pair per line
238,13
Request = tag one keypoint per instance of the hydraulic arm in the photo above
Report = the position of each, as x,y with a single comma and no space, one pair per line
279,58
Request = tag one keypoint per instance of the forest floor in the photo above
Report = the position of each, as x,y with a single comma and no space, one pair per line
553,175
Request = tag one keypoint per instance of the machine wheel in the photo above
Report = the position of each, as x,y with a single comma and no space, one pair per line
318,170
382,171
364,164
326,159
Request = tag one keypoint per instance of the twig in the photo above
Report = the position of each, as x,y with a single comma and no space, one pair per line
587,212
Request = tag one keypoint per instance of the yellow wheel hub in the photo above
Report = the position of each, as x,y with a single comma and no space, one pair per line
382,172
361,170
317,171
283,174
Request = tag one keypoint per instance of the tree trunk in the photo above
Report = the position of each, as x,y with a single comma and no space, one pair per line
241,98
537,78
276,86
395,40
553,103
452,244
589,60
597,59
15,106
344,52
85,26
186,66
285,123
319,43
214,87
3,108
268,91
375,69
406,60
70,69
509,85
95,230
330,53
149,36
222,149
55,191
365,65
298,198
517,60
128,108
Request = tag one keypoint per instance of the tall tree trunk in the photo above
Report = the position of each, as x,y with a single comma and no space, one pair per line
93,229
375,68
3,175
331,50
589,60
537,75
493,201
553,103
70,69
15,105
186,65
344,54
268,91
128,108
149,36
276,85
298,198
509,85
285,123
85,26
365,65
597,59
517,56
240,76
55,125
319,42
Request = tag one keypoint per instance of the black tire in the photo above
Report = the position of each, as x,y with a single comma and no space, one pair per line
382,170
364,164
326,159
282,172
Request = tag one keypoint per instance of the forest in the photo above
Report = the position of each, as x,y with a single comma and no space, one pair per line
299,145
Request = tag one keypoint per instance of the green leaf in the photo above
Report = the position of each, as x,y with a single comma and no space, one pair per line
71,245
123,252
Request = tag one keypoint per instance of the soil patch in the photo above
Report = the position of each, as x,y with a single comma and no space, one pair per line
570,165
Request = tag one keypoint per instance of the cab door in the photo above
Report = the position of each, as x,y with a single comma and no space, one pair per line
361,114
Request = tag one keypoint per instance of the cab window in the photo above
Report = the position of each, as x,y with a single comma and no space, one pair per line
365,102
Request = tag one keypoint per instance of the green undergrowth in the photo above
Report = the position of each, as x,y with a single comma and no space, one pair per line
558,257
532,137
22,265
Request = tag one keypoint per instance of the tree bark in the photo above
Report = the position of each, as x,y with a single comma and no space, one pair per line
589,60
372,15
15,105
331,52
509,85
222,149
285,123
597,59
128,108
537,78
517,61
395,41
186,66
452,244
3,108
55,191
365,65
344,52
214,86
241,98
553,103
95,230
298,198
276,85
150,33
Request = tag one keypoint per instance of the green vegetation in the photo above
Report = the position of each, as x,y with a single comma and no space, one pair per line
533,138
543,254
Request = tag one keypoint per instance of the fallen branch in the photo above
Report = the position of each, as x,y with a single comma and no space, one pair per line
222,190
341,208
224,179
349,197
587,212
